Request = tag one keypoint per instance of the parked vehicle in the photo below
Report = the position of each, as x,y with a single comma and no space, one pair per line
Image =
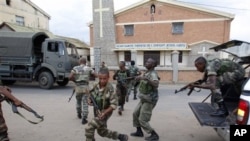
236,97
33,56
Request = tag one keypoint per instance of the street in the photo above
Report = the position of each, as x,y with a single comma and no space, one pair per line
172,118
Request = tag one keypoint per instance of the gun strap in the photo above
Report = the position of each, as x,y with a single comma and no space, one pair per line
14,109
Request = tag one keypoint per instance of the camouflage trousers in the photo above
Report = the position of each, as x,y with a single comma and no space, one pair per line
4,136
102,130
3,127
82,104
121,92
227,78
142,115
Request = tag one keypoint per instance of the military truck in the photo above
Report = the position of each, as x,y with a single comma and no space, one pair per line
33,56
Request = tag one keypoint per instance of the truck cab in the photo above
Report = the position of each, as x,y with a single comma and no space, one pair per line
236,97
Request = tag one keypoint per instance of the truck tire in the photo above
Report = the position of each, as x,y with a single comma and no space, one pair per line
45,80
63,83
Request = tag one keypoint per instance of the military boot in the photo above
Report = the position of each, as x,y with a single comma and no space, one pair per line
79,115
222,111
153,137
135,97
120,110
123,137
84,121
138,132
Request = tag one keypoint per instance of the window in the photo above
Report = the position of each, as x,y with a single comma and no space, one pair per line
180,56
152,54
53,47
129,30
20,20
127,56
177,28
8,2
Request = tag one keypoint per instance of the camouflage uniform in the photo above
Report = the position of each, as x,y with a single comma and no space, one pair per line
104,98
148,98
121,86
227,72
3,127
82,74
133,83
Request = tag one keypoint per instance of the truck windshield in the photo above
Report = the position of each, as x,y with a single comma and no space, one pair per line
71,49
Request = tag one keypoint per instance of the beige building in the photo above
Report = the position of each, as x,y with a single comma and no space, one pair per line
25,16
24,13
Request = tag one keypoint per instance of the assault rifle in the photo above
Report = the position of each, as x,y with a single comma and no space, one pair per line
26,107
123,81
200,81
96,107
73,92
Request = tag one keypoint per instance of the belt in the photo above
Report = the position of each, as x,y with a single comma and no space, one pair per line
82,83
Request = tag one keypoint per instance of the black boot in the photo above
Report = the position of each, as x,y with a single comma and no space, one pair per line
222,111
79,115
138,132
84,121
153,137
135,97
120,110
123,137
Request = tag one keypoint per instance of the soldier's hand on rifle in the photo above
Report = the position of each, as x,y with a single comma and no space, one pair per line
138,78
101,116
191,85
18,102
90,102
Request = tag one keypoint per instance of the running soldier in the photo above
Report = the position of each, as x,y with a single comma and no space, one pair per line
148,94
121,76
80,75
105,98
133,84
219,72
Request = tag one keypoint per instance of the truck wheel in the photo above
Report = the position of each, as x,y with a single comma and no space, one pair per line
8,82
63,83
45,80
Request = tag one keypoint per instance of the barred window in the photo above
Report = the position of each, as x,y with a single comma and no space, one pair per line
177,28
127,57
128,30
20,20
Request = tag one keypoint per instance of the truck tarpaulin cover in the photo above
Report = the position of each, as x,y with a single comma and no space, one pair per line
21,43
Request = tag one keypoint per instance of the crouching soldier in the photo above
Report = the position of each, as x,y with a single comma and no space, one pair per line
102,96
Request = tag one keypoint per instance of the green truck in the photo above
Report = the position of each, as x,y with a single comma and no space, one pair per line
33,56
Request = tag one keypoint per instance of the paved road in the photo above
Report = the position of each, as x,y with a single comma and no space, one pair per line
172,117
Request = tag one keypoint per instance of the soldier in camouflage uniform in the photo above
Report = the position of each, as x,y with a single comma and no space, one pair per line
148,95
80,75
121,76
134,71
219,72
106,99
6,92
